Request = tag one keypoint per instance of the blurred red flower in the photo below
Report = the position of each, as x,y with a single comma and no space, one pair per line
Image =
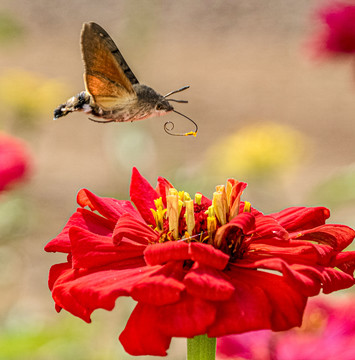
14,160
327,333
338,34
199,266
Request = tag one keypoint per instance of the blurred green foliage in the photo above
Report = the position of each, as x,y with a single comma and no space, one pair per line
10,28
336,190
15,217
64,339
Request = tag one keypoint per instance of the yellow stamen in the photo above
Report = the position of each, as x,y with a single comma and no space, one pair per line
173,214
159,214
173,191
198,198
190,216
159,203
211,223
247,207
228,192
222,189
219,207
181,204
187,196
181,195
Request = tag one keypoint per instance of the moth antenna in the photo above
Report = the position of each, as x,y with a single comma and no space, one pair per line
179,101
176,91
101,121
171,124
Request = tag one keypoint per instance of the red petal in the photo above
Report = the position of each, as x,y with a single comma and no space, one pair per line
141,335
301,218
345,261
331,279
90,250
143,196
208,283
131,228
189,317
57,271
149,329
236,193
82,218
169,251
308,279
261,301
174,251
242,223
110,208
207,254
82,291
162,287
163,188
267,228
337,236
294,252
59,276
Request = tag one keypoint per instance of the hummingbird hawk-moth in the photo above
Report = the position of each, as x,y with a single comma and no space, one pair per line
112,92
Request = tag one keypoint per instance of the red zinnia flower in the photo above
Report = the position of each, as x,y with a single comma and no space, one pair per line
14,160
338,34
200,266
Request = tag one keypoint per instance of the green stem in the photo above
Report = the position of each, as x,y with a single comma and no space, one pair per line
201,348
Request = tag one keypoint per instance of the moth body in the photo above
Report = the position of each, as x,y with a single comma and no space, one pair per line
112,92
146,104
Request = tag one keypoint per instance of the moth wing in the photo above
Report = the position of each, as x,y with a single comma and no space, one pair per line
108,79
105,93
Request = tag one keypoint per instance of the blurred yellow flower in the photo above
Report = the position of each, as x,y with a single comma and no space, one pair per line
29,95
259,149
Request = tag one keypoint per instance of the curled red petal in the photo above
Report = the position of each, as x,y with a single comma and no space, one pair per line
169,251
129,227
85,219
141,335
337,236
295,251
162,287
237,189
207,254
110,208
189,317
90,250
263,301
163,188
346,262
268,229
301,218
242,223
143,196
59,276
208,283
85,290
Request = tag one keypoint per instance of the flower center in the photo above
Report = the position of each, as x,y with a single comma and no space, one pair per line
184,219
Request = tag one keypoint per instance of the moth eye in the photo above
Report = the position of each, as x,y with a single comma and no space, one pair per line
159,107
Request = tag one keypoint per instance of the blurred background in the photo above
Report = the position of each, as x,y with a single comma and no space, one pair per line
268,114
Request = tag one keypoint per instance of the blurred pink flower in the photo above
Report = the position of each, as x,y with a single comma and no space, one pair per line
15,160
327,333
338,34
